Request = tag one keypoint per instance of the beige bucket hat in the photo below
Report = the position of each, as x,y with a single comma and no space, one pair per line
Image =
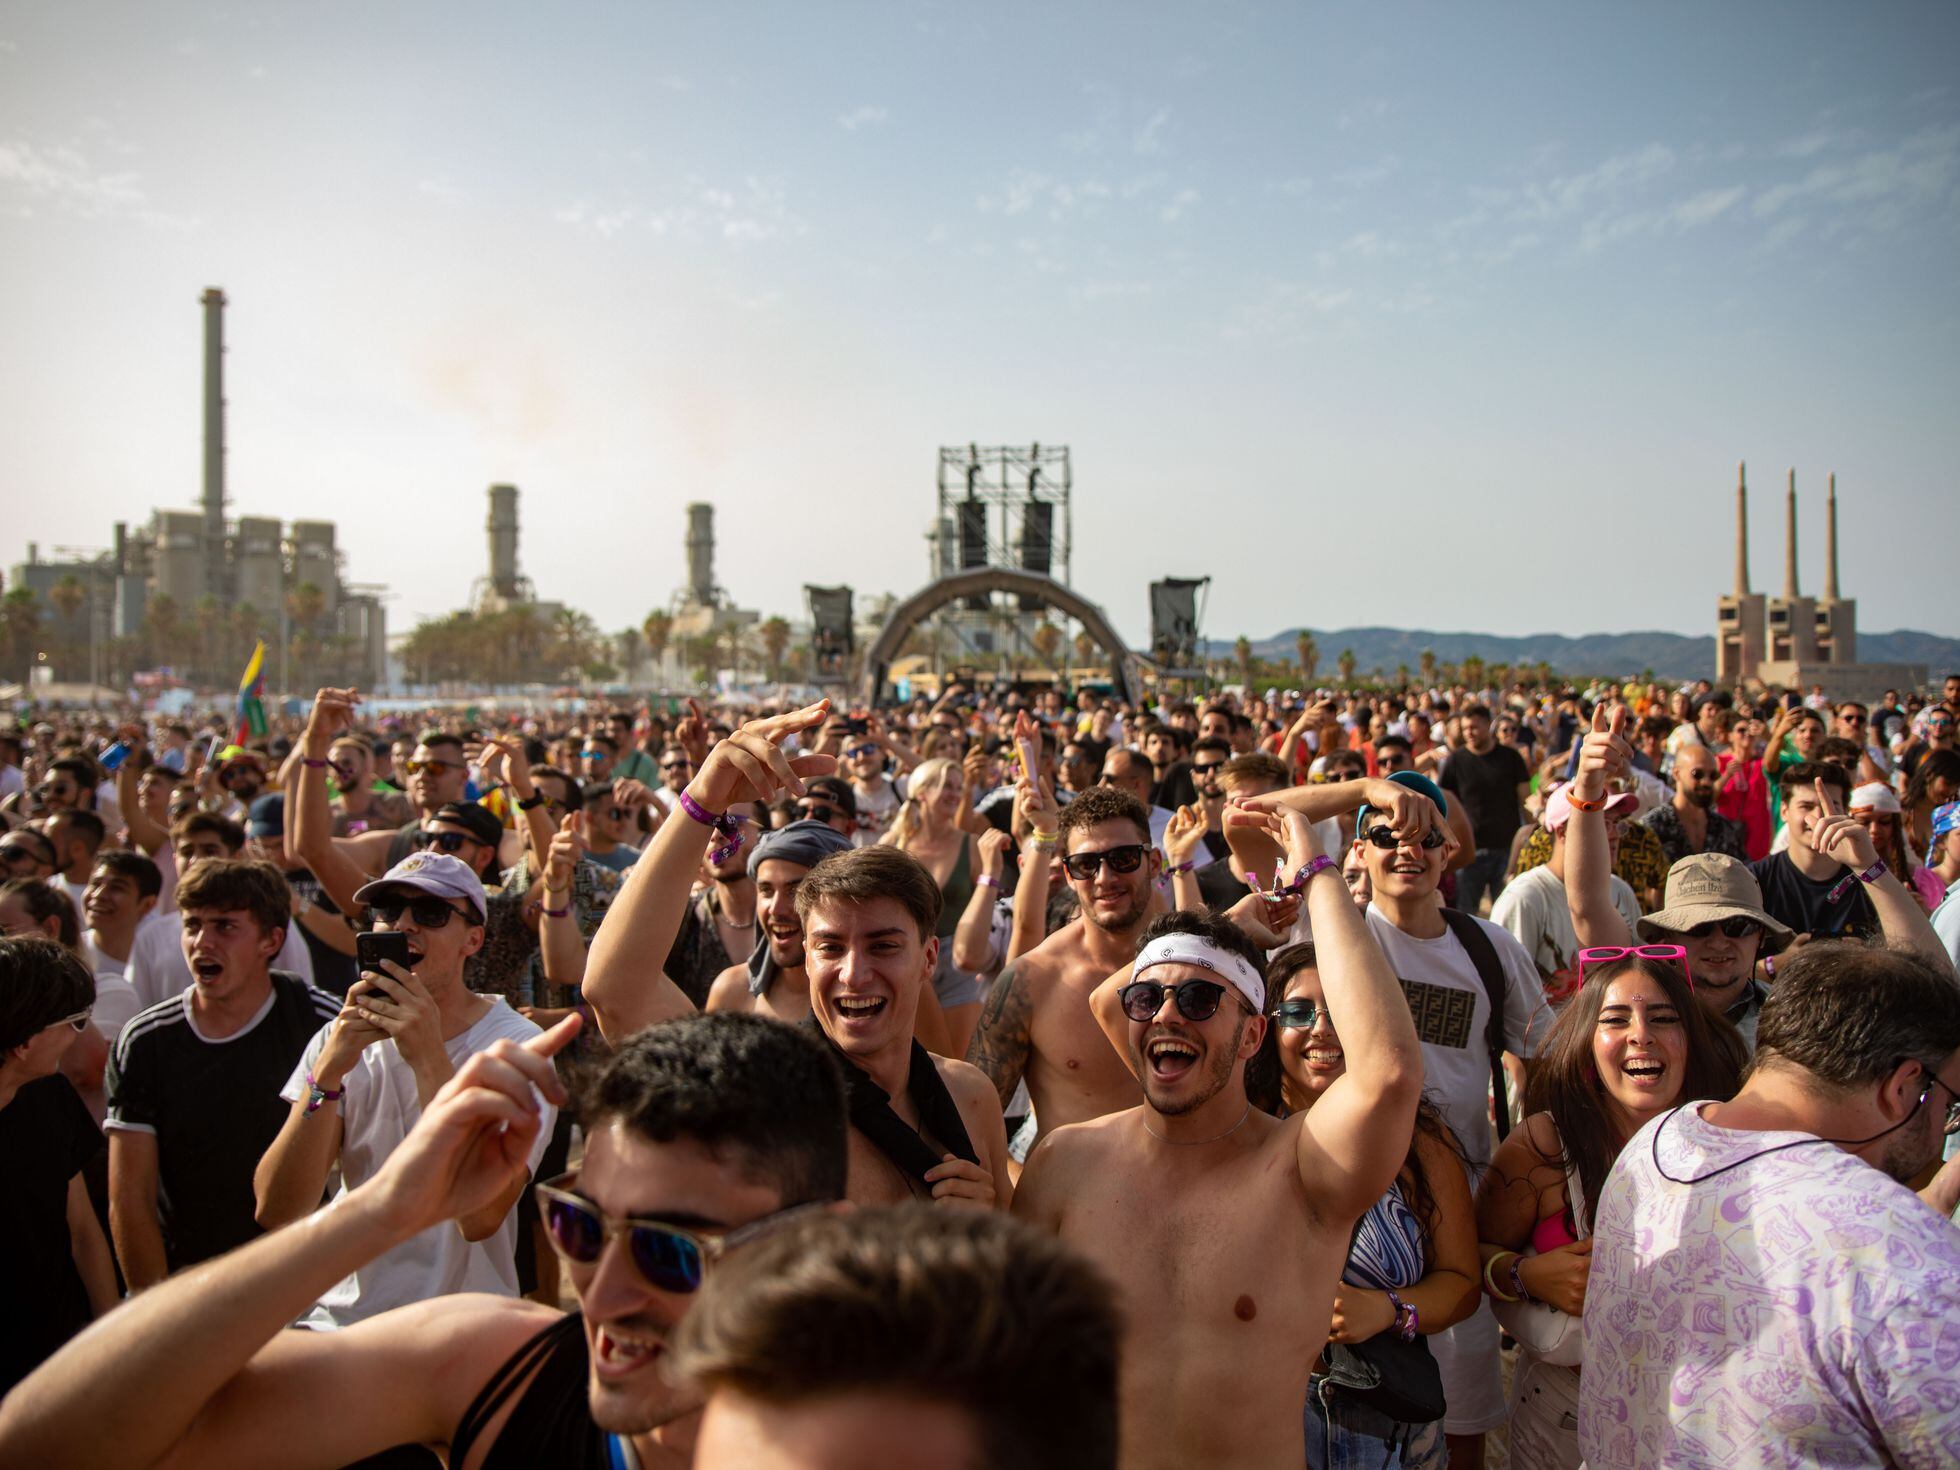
1707,887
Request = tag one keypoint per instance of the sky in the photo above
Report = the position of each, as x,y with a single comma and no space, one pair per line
1444,316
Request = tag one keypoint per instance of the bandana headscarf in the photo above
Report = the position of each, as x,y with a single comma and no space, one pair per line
1193,949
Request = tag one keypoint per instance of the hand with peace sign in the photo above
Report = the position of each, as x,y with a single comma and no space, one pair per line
1605,755
750,765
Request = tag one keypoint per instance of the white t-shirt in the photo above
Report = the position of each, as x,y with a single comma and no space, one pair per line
1790,1306
1452,1011
1533,908
876,807
379,1108
158,970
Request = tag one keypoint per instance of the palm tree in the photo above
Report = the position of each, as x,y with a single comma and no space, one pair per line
1085,647
20,621
1242,655
1309,653
68,597
1402,676
1346,663
657,629
1426,662
1047,640
1473,672
774,634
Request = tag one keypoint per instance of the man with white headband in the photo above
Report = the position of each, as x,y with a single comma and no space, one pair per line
1226,1228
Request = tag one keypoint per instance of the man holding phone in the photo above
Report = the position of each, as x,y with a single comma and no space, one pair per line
407,1027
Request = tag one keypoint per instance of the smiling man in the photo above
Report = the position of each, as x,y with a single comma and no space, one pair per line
1224,1227
922,1127
773,980
701,1135
194,1080
366,1077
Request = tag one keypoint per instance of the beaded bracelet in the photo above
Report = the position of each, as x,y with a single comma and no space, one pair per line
729,828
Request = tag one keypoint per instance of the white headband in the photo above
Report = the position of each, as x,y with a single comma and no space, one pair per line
1193,949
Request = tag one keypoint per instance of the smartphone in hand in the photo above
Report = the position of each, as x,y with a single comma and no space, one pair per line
374,946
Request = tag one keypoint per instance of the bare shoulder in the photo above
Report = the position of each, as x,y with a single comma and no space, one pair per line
968,1084
730,990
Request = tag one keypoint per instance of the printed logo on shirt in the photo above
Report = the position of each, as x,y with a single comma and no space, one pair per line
1442,1013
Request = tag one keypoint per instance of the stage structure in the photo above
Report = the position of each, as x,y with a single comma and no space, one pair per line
831,639
1175,621
999,506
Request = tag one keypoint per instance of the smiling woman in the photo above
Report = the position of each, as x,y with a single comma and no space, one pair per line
1632,1043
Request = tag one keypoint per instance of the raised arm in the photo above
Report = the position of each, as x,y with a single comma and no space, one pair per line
1903,921
1588,868
1353,1140
143,833
1183,836
624,983
561,945
973,946
199,1371
340,875
1036,801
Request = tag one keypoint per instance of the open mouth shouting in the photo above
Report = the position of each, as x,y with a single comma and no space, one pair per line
620,1349
207,969
1169,1056
856,1013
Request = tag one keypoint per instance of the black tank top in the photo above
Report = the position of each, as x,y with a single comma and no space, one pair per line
551,1422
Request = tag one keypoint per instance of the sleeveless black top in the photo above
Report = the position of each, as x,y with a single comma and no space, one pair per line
551,1422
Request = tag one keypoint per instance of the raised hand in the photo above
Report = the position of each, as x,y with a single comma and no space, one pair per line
567,848
750,765
1183,834
1036,799
995,845
1839,836
474,1137
691,734
332,713
1605,754
1027,743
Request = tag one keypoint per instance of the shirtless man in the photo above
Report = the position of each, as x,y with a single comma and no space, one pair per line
1036,1022
922,1126
1225,1228
771,982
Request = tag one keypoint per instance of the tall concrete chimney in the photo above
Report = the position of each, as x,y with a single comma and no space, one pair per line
701,553
1790,540
214,421
1742,530
1830,543
502,528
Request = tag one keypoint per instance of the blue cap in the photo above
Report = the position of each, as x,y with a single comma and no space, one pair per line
1416,782
1945,819
267,816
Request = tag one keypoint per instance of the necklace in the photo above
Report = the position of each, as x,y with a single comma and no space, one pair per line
1655,1145
1194,1142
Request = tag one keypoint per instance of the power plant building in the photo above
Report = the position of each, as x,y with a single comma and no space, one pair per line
1792,641
194,557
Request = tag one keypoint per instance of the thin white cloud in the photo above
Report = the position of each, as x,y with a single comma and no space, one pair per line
63,178
1150,137
1709,204
1182,202
862,117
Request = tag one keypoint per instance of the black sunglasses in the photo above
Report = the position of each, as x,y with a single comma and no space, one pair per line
677,766
1197,1000
1083,866
1736,926
816,812
449,842
428,913
1207,768
1387,841
671,1258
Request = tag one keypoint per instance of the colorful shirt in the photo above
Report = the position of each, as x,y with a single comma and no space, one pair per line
1640,862
1791,1306
1724,836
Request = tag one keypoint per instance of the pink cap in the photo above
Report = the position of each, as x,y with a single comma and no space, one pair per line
1558,807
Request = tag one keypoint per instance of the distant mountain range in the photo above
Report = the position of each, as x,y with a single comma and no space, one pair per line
1669,655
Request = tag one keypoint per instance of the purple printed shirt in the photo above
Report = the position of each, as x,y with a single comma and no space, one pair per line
1800,1309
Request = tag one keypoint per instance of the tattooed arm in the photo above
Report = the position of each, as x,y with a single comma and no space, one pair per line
1000,1042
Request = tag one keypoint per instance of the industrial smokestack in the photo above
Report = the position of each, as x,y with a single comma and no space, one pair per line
1742,530
502,527
1790,540
701,552
214,418
1830,543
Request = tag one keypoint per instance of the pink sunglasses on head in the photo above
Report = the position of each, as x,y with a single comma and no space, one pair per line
1607,954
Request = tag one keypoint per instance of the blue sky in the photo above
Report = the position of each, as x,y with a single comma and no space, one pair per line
1444,316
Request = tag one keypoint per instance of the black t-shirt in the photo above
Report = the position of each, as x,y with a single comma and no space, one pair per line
46,1137
1805,905
1488,785
214,1108
333,971
1176,789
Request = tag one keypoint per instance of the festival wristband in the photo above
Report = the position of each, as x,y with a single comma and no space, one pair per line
532,802
563,913
729,828
311,764
1843,886
316,1094
986,880
1309,870
1517,1280
1043,839
1580,804
1183,867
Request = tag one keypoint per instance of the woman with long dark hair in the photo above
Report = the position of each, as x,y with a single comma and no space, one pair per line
1630,1044
1412,1264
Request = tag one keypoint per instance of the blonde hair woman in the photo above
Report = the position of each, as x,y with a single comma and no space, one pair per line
932,825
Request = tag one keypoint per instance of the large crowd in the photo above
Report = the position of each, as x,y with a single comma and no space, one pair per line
1339,1077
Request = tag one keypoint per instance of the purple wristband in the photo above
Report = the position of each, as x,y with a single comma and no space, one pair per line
1308,871
1871,875
729,828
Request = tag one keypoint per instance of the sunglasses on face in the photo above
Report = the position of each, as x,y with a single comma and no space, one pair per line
428,768
1736,926
671,766
1197,1000
817,812
20,857
861,750
670,1258
342,774
1301,1014
595,755
1083,866
428,913
449,842
1210,768
1387,841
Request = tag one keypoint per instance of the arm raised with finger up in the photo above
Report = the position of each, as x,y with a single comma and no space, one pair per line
624,983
